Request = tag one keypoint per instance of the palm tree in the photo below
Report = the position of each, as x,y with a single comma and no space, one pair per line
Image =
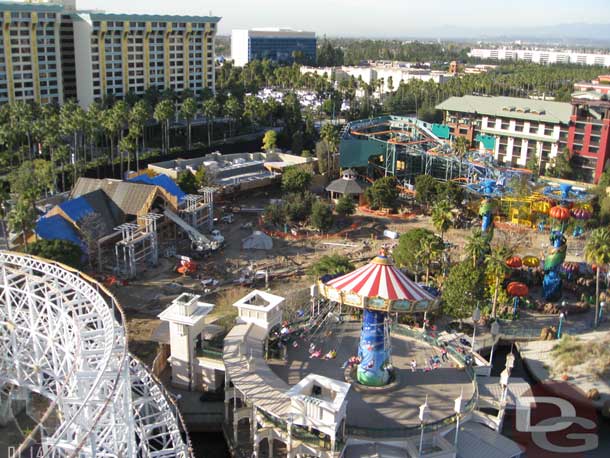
163,114
138,116
232,110
112,126
461,146
21,218
210,110
442,218
121,112
430,249
476,246
188,111
597,251
496,269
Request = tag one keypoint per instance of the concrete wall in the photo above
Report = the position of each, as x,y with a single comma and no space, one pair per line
82,56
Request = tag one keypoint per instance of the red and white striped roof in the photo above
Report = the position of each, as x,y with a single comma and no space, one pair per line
380,278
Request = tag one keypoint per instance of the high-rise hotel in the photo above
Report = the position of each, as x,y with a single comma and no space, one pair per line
50,51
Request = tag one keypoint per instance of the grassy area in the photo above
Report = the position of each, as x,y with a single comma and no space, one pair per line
573,356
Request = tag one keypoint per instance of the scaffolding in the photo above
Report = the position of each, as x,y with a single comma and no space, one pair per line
139,245
198,209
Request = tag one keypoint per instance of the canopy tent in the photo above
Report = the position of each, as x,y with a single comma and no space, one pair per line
257,241
379,285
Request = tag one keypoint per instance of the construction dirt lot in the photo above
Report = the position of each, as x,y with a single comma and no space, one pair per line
287,264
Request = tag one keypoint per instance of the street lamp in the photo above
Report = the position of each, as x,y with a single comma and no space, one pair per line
495,332
561,317
476,316
424,414
602,304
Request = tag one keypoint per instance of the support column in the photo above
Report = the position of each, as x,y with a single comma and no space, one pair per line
8,56
289,442
373,350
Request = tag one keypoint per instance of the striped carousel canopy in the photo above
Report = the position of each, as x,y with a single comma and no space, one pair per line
381,279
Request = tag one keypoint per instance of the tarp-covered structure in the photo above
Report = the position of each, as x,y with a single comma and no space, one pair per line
257,241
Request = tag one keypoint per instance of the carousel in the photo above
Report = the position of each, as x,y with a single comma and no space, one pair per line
379,289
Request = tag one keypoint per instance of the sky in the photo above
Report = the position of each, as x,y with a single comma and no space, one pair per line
389,18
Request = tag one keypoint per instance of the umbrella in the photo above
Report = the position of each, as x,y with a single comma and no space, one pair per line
514,262
517,289
560,213
531,261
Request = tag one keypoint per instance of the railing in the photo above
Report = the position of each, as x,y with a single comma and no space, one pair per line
212,353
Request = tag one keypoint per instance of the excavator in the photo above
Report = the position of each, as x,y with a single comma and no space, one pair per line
200,242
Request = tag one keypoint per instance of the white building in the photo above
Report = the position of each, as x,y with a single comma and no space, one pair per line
276,44
542,56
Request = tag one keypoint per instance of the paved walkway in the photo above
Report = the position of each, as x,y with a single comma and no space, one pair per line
396,409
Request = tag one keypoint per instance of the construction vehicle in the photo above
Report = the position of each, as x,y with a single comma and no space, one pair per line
199,241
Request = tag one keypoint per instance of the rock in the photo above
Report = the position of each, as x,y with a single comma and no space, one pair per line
548,333
593,394
550,309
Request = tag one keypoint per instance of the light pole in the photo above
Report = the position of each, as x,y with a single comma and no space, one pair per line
602,304
476,316
424,414
561,317
458,408
495,331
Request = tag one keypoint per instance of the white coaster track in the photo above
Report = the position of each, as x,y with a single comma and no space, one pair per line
63,335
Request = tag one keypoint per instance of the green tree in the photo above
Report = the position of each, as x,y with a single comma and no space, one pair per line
163,115
345,206
204,177
496,269
297,143
333,264
463,289
270,140
561,165
426,189
430,250
406,253
295,179
382,194
187,182
21,218
321,216
275,214
298,206
476,247
233,111
597,251
188,111
442,218
61,251
138,116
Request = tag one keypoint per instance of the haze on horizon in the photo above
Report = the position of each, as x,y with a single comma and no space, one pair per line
386,18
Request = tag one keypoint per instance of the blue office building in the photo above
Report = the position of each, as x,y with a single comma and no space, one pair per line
278,45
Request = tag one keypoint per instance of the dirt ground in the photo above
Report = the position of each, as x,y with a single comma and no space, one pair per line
144,298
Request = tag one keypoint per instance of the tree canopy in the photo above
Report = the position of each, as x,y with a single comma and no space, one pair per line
333,264
58,250
463,289
295,179
407,252
382,194
321,216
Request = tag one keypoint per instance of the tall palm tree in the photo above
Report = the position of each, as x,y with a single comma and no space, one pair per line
232,110
430,249
210,111
476,246
461,146
112,126
188,111
442,218
163,114
597,251
496,269
139,114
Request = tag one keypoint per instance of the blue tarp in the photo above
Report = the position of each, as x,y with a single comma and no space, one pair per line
77,208
164,182
57,228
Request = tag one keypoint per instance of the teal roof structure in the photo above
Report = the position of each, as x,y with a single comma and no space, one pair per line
38,7
104,16
510,107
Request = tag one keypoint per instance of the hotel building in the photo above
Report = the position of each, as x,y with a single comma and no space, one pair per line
542,56
50,51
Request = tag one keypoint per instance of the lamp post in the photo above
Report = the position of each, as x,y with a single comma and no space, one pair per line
505,375
458,408
476,316
495,332
561,317
602,304
424,414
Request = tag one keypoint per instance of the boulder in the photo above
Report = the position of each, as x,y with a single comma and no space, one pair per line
548,333
593,394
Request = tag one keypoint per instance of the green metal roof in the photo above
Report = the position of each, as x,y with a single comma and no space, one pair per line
510,107
38,7
103,16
